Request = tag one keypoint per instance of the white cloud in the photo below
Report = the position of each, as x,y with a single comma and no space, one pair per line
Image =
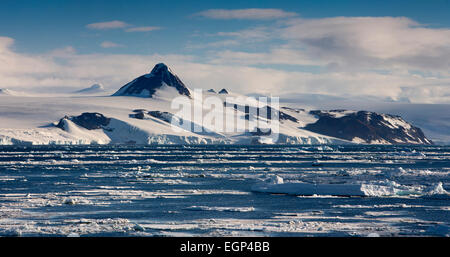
5,43
66,68
248,14
109,44
349,44
254,34
279,56
372,42
107,25
63,52
214,44
142,29
120,25
14,65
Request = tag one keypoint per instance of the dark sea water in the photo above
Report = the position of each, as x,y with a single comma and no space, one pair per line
210,190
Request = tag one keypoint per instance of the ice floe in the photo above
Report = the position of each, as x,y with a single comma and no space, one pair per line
276,185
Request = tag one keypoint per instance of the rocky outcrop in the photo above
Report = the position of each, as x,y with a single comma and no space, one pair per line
223,91
366,127
87,120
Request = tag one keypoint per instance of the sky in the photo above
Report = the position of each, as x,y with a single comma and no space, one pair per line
388,50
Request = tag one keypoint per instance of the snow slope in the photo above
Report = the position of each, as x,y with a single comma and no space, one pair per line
32,120
92,90
141,113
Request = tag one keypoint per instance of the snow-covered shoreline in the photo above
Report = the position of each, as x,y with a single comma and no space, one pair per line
32,120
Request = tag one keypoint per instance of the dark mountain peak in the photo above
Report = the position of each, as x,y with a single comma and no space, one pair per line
147,85
223,91
160,69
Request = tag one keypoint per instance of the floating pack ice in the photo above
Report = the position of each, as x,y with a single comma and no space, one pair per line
276,185
437,191
274,180
396,172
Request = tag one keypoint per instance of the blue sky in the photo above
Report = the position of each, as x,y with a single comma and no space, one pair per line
44,25
306,45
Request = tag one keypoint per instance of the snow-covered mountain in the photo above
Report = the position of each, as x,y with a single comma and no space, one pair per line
9,92
366,127
94,89
127,119
147,85
5,91
432,119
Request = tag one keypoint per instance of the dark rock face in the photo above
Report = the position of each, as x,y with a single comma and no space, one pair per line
367,126
61,122
165,116
87,120
265,112
285,116
223,91
138,115
212,90
141,113
148,84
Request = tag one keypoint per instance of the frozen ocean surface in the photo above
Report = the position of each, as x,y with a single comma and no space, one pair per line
225,190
